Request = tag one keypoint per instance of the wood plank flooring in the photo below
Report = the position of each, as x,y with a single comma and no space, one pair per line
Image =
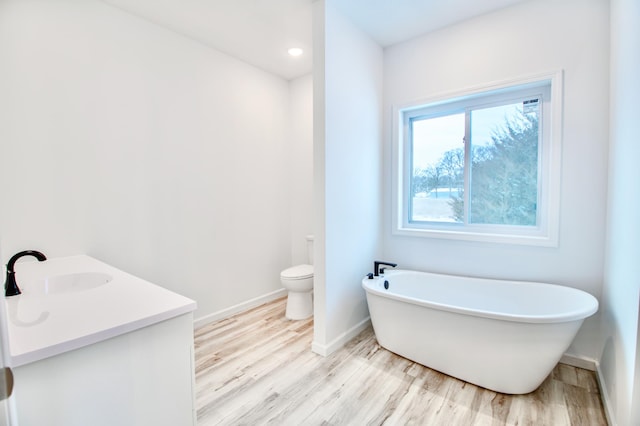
257,368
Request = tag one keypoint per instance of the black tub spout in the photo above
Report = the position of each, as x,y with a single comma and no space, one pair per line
10,286
376,267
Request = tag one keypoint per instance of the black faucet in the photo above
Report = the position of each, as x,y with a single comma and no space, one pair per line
377,270
10,285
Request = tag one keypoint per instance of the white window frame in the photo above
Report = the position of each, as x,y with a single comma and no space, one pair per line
545,233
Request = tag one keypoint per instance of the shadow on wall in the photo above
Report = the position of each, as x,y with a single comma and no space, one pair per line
608,369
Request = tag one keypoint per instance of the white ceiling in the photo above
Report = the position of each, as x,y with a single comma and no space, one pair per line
392,21
260,31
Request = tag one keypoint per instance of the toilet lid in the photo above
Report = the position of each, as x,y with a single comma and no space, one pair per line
298,272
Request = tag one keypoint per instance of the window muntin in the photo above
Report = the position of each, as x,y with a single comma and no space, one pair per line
480,166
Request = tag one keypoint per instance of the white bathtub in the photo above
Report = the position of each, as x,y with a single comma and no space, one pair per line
502,335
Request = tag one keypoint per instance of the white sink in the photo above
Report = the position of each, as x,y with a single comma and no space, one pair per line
69,283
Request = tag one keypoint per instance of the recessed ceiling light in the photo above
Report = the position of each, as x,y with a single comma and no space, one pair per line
295,51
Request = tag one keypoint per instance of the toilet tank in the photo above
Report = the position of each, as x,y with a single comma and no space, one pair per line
310,249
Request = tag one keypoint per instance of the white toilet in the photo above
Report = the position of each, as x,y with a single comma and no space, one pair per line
299,281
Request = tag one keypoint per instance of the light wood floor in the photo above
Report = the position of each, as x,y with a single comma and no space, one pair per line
257,368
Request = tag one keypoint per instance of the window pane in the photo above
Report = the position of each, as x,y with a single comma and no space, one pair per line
437,179
504,168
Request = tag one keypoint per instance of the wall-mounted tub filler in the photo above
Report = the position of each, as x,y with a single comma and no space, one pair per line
10,286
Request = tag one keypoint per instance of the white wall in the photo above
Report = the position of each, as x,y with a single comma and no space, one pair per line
347,161
525,39
301,165
143,148
619,363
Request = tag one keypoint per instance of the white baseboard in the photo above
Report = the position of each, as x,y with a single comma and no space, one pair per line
579,361
340,341
593,365
240,307
604,395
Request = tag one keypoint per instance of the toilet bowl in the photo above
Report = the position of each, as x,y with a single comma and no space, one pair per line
298,280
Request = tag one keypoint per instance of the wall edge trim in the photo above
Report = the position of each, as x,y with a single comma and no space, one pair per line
604,397
340,341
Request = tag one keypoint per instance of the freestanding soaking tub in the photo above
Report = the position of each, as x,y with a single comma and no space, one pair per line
506,336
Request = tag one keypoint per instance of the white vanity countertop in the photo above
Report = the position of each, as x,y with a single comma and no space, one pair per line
42,325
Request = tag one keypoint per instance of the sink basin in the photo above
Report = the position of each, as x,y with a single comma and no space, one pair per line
69,283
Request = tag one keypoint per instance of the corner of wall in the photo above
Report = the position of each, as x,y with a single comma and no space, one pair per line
604,396
340,341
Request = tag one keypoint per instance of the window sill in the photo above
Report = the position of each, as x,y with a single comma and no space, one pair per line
538,238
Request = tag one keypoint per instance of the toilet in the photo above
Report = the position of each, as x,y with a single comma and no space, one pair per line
298,280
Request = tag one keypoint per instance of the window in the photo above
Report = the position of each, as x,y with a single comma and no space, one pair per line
481,165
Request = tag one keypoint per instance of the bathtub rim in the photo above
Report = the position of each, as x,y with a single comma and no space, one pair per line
374,286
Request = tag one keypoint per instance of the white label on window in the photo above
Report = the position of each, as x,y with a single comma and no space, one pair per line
530,106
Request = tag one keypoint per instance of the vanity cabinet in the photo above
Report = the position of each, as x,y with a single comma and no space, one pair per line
118,354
